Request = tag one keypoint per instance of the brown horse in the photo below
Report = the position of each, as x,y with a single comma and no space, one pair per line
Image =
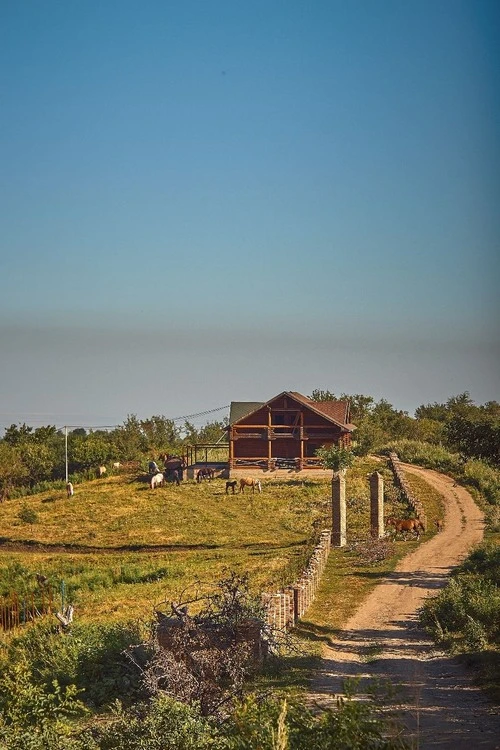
250,482
404,525
205,473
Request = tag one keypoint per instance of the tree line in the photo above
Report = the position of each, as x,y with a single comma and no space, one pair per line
459,425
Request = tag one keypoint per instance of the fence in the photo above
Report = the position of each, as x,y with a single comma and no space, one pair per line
285,607
18,609
406,492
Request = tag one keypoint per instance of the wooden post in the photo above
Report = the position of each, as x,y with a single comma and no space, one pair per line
339,536
376,505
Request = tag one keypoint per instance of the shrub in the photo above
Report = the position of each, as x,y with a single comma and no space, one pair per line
485,478
27,515
425,454
466,613
165,724
350,725
91,658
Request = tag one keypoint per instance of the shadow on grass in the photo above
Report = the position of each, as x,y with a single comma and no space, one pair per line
32,544
309,631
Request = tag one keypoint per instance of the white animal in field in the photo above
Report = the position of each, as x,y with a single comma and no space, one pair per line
101,471
69,489
116,465
158,480
250,482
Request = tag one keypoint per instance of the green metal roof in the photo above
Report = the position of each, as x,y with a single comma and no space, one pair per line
240,409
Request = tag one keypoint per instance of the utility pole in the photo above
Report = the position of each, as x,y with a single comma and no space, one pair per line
66,451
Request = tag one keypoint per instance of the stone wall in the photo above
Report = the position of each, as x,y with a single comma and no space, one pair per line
285,607
406,491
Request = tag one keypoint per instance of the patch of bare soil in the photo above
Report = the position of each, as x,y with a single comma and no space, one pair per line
439,705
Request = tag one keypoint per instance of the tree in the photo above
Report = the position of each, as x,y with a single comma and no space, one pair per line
92,450
129,440
161,434
15,435
336,457
12,470
38,461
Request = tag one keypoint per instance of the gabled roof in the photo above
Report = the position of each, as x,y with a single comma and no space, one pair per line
240,409
334,411
338,411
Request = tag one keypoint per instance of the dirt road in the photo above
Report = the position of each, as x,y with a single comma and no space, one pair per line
439,705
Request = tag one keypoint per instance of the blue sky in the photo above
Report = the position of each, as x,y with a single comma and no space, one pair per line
211,201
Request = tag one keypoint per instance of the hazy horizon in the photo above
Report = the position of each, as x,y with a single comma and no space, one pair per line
203,203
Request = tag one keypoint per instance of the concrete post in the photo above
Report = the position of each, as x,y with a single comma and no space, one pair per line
376,505
339,537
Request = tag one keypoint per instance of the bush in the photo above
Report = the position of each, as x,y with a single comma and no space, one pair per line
91,658
486,479
466,615
165,724
350,725
425,454
27,515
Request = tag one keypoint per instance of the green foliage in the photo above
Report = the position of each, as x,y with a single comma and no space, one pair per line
165,724
161,434
351,725
484,560
90,451
212,432
25,702
27,515
336,458
476,435
15,435
466,615
425,454
485,478
45,737
91,661
12,469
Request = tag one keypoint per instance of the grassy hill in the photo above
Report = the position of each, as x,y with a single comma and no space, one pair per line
120,547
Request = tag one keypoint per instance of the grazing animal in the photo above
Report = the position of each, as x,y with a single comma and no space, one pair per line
231,485
174,463
158,480
153,467
70,490
403,526
116,465
101,471
439,523
205,473
249,482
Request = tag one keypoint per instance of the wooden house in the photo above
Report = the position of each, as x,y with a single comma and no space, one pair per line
285,432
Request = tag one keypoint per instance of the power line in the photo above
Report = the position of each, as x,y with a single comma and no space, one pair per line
171,419
116,426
